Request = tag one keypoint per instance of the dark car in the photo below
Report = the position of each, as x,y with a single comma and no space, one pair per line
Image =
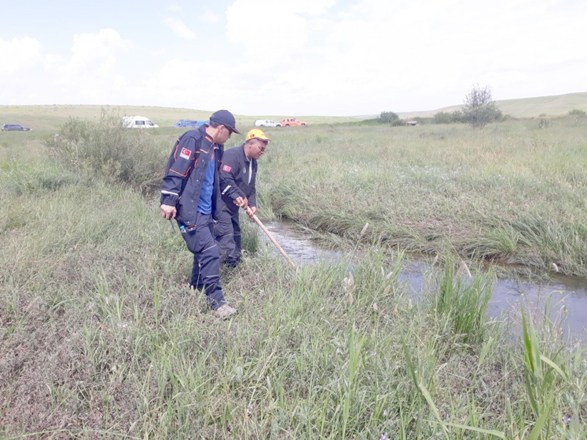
14,127
189,123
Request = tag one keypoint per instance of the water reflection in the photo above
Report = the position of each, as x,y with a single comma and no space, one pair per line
564,299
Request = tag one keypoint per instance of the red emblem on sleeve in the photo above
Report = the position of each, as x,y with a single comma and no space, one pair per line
185,153
226,168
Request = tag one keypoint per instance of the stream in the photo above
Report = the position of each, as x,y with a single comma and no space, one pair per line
566,297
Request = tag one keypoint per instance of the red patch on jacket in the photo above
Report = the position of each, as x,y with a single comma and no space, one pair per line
226,168
185,153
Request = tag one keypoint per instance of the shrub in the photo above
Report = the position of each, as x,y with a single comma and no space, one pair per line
577,113
389,118
448,118
106,150
480,109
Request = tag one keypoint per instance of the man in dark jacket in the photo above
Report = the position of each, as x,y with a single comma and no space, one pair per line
238,172
189,193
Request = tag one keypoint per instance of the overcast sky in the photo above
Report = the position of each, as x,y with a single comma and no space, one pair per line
296,57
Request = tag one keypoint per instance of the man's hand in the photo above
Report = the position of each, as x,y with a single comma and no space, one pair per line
168,212
251,211
241,202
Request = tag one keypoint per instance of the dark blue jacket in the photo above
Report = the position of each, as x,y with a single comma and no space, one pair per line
185,172
234,178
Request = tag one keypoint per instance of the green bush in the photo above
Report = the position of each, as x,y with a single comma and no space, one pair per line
577,113
389,118
108,151
480,109
448,118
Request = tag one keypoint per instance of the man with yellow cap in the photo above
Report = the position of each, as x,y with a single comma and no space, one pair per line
238,172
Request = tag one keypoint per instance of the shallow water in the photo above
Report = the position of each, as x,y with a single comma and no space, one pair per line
562,299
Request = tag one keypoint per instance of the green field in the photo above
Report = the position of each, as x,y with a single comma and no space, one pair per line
513,193
50,117
100,337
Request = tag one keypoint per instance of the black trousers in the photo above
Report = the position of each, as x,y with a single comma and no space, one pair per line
206,268
228,236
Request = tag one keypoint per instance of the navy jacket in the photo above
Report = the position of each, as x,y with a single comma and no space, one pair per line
234,178
185,172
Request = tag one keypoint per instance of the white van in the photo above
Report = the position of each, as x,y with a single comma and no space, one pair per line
138,122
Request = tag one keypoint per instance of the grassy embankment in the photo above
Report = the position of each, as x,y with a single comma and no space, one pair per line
512,193
101,339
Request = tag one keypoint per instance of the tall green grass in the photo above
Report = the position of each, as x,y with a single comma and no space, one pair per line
512,193
101,338
106,150
463,302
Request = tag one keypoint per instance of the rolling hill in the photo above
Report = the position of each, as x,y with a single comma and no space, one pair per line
52,116
557,105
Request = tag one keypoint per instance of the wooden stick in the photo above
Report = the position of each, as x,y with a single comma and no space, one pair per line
266,231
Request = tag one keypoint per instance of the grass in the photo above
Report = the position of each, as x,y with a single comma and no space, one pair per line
50,117
512,193
101,338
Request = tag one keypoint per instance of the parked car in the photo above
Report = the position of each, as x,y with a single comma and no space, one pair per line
138,122
189,123
14,127
266,123
292,122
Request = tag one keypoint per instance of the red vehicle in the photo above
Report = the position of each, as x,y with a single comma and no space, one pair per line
292,122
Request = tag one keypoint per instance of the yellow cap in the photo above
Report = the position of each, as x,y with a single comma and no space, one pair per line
255,133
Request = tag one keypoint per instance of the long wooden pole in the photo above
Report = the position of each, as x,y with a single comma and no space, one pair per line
266,231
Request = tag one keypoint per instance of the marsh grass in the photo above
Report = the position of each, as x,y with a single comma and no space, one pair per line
100,331
511,193
463,301
100,337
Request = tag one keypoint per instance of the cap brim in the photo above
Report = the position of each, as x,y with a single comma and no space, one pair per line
232,129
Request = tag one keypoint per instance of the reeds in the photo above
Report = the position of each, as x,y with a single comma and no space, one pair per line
462,299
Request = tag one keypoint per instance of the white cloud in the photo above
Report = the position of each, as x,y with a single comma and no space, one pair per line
270,27
18,53
174,7
316,56
210,17
90,74
179,28
97,51
187,83
377,54
92,67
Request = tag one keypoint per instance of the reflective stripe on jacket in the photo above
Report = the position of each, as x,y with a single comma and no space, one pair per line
185,172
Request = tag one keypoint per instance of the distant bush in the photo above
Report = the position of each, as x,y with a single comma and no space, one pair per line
576,113
106,150
422,120
448,118
390,118
480,109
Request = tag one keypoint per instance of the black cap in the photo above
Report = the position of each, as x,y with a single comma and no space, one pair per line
224,117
